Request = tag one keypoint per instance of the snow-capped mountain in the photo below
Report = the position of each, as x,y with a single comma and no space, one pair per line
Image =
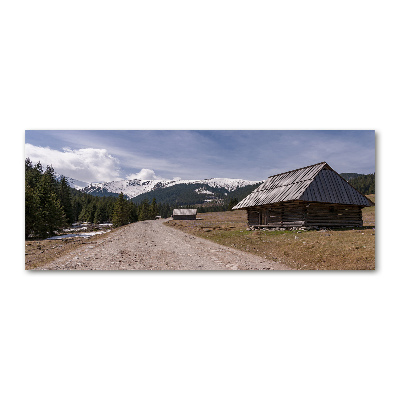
80,185
136,187
74,183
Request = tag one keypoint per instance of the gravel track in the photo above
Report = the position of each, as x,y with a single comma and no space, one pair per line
150,245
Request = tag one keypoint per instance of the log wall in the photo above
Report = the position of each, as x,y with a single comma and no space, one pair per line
334,215
184,217
298,213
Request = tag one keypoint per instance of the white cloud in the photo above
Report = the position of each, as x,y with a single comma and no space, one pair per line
88,165
144,174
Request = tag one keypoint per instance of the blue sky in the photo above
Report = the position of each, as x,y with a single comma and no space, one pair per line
94,156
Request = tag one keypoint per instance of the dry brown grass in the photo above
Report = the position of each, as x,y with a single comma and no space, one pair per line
40,252
345,249
369,213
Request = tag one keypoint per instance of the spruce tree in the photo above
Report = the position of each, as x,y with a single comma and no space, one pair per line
153,212
33,173
133,213
51,211
32,211
65,199
120,214
144,210
76,207
100,215
88,209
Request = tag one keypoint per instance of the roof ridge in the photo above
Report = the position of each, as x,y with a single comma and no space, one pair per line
288,184
298,169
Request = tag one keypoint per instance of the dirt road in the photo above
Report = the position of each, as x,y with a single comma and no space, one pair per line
150,245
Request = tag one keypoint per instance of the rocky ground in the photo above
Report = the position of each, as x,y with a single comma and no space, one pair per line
151,245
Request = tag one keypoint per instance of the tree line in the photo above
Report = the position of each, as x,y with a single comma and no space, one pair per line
182,195
51,204
47,201
365,184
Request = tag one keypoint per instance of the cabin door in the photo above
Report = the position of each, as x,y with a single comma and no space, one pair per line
262,217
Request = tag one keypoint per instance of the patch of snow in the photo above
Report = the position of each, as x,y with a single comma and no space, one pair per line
84,228
85,235
203,191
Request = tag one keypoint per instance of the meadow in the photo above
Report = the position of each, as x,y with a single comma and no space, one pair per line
328,249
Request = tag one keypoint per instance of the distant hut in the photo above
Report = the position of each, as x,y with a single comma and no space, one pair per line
184,213
313,196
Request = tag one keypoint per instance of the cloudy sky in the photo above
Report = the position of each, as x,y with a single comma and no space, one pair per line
95,156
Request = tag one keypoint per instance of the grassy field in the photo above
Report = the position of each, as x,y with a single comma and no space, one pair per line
344,249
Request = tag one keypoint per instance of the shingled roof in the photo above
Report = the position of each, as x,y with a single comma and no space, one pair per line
318,182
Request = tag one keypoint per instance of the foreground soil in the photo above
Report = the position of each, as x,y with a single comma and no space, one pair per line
147,245
40,252
340,249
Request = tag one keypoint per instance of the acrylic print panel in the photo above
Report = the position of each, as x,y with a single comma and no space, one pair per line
200,200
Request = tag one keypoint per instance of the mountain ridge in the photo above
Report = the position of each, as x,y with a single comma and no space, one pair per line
184,191
135,187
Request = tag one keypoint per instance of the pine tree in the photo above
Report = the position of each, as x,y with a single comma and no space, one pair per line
52,215
76,207
109,208
133,212
144,210
51,179
153,212
88,209
32,173
120,214
65,199
32,211
100,216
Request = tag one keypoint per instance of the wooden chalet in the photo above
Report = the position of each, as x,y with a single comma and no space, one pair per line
313,196
184,213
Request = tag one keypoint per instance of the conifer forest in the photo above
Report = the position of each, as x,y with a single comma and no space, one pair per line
52,205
